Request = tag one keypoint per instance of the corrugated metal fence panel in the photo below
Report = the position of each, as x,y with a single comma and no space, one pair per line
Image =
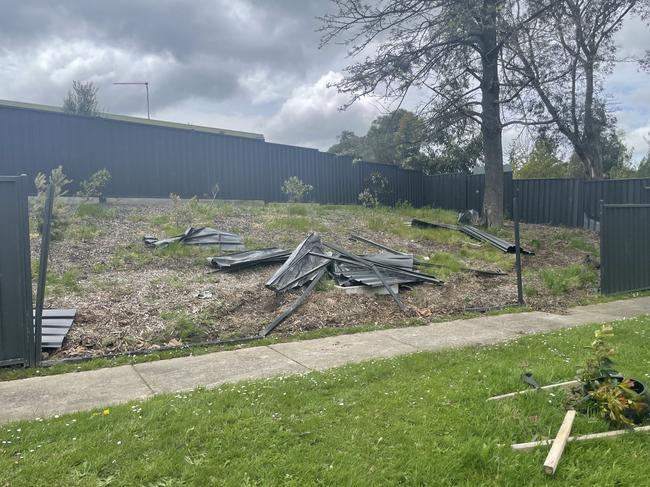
551,201
475,190
16,323
448,191
619,191
409,187
624,244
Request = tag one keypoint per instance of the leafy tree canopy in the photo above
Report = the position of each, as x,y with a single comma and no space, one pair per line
405,139
82,99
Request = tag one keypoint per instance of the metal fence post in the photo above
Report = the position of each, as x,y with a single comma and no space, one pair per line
515,215
42,272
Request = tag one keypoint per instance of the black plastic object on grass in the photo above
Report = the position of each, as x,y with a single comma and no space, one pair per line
200,236
301,266
249,258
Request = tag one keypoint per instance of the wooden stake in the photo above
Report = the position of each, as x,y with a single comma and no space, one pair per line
555,453
550,386
593,436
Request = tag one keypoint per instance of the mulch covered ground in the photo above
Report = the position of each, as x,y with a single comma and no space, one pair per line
130,298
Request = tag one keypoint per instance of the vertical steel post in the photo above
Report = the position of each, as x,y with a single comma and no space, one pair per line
42,272
515,216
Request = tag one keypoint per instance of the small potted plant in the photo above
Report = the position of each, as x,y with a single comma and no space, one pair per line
623,401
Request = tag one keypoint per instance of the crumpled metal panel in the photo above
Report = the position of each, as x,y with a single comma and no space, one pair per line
200,236
249,258
300,267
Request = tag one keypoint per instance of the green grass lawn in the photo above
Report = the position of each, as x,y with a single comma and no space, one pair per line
421,419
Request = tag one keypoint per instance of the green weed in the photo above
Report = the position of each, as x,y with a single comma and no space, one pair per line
98,211
575,276
65,283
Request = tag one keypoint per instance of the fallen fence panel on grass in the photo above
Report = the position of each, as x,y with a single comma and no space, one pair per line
249,258
199,236
475,233
300,267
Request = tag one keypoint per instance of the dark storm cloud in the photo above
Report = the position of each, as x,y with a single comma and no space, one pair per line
210,45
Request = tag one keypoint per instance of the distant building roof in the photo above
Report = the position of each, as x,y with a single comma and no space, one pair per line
143,121
481,169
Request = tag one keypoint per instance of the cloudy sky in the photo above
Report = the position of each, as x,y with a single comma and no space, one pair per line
251,65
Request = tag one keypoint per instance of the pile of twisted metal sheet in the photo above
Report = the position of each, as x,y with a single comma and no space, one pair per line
312,259
200,236
249,258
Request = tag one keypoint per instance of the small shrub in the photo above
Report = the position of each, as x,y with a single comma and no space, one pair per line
214,190
376,191
183,212
93,186
296,190
60,214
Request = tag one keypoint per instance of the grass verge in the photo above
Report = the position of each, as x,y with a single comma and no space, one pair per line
415,420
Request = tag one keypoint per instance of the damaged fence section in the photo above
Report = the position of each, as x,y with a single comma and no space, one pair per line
199,236
310,262
249,258
475,233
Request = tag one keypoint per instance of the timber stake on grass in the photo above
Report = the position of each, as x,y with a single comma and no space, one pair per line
568,383
555,453
592,436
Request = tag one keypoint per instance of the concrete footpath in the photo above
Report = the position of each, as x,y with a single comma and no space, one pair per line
42,397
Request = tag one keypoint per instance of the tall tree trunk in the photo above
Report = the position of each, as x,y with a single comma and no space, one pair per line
491,127
592,156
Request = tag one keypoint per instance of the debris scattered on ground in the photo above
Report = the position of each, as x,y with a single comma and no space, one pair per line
301,266
55,326
309,262
557,448
476,234
424,263
469,217
569,383
204,295
528,378
200,236
249,258
592,436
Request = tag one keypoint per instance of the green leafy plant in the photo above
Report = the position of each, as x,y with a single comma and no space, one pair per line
93,186
296,190
599,363
376,191
607,394
60,214
617,402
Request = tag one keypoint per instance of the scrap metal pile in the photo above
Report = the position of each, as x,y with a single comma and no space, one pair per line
313,259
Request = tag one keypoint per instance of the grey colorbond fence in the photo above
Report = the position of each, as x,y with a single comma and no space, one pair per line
148,160
153,161
568,202
625,248
16,321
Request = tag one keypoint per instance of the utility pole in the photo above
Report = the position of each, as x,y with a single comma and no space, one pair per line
146,85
